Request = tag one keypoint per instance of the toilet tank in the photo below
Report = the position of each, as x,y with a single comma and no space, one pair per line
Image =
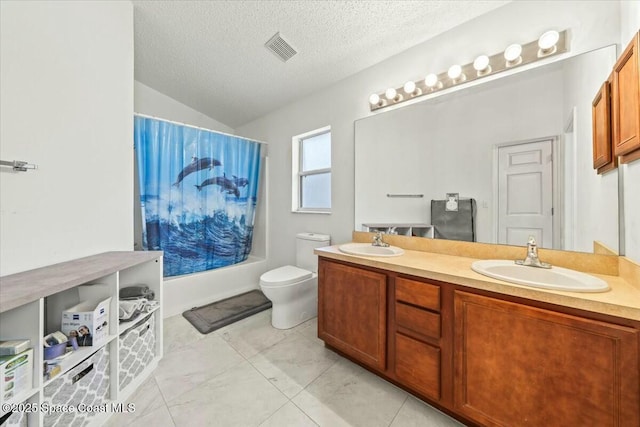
305,244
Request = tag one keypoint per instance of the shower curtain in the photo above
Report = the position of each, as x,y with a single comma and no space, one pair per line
198,194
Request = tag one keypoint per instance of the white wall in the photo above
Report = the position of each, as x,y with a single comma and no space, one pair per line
66,105
184,292
629,20
596,210
593,24
632,210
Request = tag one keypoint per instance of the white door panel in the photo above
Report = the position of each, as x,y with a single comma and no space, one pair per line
529,201
525,158
525,193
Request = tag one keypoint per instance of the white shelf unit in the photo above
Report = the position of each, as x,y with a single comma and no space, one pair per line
401,229
31,305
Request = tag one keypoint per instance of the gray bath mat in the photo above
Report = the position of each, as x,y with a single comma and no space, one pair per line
214,316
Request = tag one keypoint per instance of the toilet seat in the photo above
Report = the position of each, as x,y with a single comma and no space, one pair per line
283,276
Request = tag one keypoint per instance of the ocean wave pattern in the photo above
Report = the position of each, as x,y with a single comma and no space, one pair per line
198,194
211,242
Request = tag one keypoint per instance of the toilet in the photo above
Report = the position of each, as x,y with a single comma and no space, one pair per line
293,290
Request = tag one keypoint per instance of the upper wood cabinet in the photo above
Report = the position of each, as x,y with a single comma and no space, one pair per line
625,103
352,312
603,158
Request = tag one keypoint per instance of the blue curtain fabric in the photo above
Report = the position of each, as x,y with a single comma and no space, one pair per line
198,194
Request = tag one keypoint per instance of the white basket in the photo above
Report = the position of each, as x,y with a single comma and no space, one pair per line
137,350
87,383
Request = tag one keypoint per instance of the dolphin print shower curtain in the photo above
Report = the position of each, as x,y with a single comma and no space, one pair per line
198,194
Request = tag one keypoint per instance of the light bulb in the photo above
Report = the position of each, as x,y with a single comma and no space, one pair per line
374,99
390,94
431,80
409,87
548,40
512,53
455,71
481,63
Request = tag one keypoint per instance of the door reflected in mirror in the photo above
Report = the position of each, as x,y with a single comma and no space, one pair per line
519,146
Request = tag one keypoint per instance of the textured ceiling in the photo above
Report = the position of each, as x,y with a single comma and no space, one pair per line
210,55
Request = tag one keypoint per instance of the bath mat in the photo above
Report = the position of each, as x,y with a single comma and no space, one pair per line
214,316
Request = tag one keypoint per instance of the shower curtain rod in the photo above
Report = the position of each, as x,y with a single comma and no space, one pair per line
197,127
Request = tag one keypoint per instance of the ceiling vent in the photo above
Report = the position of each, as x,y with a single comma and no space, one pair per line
280,47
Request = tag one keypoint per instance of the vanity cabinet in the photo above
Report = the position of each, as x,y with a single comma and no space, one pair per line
486,358
352,312
518,365
625,99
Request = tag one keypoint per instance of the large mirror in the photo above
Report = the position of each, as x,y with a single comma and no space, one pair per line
520,146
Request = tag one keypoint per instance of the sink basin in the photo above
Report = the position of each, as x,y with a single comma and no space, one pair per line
557,278
367,249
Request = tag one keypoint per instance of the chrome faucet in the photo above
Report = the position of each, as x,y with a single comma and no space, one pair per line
532,259
377,240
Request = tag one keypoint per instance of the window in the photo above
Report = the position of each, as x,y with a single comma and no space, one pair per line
311,168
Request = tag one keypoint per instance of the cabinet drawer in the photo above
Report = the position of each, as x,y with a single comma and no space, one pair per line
418,366
418,293
417,320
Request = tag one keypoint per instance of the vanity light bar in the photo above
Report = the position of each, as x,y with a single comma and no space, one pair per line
549,44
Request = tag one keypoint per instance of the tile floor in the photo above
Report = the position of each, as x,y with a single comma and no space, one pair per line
250,374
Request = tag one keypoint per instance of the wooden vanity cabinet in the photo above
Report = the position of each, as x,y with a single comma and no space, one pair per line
352,312
486,358
517,365
625,103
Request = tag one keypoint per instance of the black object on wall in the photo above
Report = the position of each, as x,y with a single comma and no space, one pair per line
454,225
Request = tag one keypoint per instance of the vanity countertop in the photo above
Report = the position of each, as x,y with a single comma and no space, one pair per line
622,300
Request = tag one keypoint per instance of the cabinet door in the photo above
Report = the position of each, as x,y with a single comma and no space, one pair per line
418,365
601,123
517,365
625,100
352,311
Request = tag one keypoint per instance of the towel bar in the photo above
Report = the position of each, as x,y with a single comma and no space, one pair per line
408,196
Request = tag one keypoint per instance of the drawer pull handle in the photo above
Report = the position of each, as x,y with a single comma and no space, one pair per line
143,330
80,375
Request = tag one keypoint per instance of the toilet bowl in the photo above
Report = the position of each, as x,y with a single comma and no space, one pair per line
293,293
293,290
